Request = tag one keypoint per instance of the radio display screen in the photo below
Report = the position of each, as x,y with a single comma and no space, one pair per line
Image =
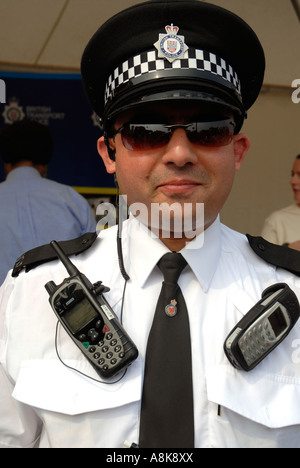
79,316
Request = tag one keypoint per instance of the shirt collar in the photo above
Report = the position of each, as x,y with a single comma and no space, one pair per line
23,172
142,251
203,254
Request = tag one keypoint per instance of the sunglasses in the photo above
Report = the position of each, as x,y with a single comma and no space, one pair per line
142,136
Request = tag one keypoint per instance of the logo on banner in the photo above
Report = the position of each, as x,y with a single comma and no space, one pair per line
42,114
13,112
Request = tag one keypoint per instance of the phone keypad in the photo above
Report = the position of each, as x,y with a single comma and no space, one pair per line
256,342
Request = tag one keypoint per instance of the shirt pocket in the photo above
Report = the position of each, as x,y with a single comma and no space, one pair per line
253,409
50,386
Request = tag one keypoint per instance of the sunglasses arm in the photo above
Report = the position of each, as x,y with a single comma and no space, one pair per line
111,152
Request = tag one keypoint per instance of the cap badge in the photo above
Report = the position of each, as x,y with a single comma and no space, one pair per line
171,309
170,46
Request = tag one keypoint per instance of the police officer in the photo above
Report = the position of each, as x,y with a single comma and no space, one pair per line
171,82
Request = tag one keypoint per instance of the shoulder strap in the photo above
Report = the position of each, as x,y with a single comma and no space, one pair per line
277,255
45,253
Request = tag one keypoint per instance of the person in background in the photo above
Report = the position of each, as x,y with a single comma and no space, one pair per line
283,226
33,209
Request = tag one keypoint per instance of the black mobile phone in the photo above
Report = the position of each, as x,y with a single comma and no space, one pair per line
263,328
89,320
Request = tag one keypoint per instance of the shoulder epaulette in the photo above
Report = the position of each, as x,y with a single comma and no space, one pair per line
45,253
277,255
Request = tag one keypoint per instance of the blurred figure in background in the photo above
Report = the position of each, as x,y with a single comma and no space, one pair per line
34,210
283,226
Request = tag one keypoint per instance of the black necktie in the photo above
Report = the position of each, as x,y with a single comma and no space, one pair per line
167,416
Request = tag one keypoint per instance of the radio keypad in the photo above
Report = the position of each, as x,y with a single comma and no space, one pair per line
106,352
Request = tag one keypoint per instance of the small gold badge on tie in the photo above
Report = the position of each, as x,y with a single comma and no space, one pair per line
171,309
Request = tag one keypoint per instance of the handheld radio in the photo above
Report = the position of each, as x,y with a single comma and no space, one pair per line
90,321
263,328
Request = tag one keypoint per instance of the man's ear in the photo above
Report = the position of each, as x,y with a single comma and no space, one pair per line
241,144
109,163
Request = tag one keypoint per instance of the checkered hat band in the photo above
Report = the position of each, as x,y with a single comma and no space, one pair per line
148,62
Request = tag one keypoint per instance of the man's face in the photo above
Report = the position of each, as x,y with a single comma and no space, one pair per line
295,180
180,171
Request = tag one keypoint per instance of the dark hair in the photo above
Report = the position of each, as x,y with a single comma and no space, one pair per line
298,157
26,140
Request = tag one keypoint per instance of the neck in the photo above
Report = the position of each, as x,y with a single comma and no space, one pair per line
176,243
42,169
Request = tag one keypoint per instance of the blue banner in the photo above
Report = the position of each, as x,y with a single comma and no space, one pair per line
59,101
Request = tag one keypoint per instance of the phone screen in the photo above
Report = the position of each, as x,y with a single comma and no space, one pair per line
277,322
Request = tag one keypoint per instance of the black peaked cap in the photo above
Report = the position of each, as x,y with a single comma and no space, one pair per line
204,26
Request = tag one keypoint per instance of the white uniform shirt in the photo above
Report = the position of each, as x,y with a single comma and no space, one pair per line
53,406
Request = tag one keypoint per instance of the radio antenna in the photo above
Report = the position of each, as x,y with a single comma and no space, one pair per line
71,269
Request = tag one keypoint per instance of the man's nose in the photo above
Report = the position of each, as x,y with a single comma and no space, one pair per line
180,151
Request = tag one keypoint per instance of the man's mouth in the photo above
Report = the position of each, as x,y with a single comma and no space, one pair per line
178,186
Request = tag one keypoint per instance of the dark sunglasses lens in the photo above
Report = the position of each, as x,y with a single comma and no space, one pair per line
213,134
142,138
